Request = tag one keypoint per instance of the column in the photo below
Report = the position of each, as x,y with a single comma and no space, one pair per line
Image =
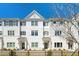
50,44
25,45
0,44
19,45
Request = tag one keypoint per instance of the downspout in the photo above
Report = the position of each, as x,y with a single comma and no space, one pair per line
2,34
43,32
19,33
50,35
20,28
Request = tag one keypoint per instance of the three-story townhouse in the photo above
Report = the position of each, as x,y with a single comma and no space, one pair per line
35,33
46,35
11,33
34,22
57,33
1,33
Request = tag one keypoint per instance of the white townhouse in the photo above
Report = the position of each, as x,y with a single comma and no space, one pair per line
35,33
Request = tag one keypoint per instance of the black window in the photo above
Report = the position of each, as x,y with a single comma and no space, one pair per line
54,22
0,23
34,32
34,23
57,44
11,33
78,24
23,32
61,22
0,32
57,33
23,23
70,46
45,23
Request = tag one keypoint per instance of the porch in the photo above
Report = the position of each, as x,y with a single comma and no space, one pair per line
47,42
23,44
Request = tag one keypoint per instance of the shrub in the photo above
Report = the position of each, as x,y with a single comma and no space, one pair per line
59,49
8,49
64,49
54,49
29,49
49,52
64,52
61,52
25,49
4,49
43,49
28,52
12,53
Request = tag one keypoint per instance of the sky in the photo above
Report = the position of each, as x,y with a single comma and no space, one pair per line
47,10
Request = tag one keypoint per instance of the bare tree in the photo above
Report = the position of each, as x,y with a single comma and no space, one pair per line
71,18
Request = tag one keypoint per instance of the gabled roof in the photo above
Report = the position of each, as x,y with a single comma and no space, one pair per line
34,15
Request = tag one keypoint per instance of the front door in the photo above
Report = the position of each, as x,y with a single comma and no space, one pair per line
45,45
23,45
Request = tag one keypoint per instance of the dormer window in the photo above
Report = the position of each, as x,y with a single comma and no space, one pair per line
61,22
34,23
54,22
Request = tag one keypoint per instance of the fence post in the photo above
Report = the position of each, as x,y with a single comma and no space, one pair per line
61,53
28,53
78,53
45,53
